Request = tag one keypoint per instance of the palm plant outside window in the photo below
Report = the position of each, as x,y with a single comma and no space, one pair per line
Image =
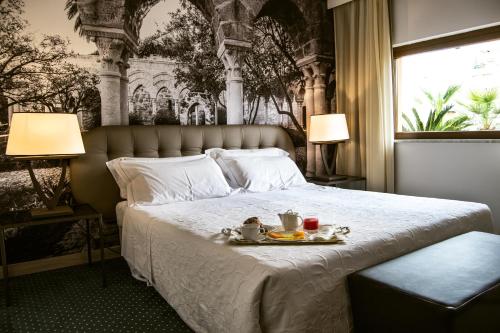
450,90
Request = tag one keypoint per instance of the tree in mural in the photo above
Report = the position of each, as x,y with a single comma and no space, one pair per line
269,71
188,39
39,74
74,89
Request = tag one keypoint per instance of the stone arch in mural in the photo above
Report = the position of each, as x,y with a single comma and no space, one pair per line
196,114
138,87
142,112
307,22
197,109
164,79
166,108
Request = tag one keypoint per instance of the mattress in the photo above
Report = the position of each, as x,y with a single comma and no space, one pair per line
216,287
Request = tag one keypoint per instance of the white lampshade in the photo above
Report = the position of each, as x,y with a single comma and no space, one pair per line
44,135
327,128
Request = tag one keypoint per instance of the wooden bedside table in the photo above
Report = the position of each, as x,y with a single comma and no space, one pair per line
15,219
350,182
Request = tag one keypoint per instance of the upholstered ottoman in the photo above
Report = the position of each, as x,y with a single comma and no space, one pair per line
452,286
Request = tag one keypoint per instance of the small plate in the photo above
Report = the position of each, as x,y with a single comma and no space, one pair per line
240,239
334,229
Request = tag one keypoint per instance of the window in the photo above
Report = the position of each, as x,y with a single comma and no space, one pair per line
449,93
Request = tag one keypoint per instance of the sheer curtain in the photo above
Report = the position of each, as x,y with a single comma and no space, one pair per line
364,91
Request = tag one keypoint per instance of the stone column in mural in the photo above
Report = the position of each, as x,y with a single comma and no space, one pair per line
124,66
232,57
316,74
299,100
309,104
266,110
110,74
321,72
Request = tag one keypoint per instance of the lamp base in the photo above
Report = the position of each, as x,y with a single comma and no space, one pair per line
40,213
326,178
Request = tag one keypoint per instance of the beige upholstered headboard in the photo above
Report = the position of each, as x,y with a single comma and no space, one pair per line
92,183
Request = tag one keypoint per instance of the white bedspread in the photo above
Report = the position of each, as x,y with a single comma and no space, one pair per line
220,288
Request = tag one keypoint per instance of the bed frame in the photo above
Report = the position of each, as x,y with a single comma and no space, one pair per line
92,183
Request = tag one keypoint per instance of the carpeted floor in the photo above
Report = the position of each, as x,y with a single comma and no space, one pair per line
72,300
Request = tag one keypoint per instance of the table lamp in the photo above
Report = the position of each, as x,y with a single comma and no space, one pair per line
328,130
45,136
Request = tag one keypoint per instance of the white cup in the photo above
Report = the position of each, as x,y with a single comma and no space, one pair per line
251,231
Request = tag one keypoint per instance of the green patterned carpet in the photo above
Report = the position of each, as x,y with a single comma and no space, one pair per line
72,300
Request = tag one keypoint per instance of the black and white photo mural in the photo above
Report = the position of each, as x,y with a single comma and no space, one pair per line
169,65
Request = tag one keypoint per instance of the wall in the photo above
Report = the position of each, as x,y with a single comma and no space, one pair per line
422,19
461,170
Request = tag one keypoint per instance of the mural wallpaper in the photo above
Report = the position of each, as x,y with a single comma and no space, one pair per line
174,77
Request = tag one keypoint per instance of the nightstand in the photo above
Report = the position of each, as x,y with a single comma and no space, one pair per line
350,182
16,219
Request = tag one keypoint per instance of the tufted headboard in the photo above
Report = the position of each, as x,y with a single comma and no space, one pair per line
92,183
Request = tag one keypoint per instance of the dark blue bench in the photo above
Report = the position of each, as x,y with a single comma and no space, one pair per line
451,286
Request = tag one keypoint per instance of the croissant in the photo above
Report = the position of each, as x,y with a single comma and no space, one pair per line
253,220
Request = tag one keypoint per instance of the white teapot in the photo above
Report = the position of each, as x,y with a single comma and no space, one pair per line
291,220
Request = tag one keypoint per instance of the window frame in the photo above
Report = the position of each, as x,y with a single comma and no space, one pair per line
470,37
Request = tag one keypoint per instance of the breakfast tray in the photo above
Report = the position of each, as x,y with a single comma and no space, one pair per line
234,238
268,241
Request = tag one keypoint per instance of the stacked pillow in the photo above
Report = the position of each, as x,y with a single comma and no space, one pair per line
155,181
258,170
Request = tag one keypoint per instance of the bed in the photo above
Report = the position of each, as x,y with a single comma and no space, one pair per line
215,287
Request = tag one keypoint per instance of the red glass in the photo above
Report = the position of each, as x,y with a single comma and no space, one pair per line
311,223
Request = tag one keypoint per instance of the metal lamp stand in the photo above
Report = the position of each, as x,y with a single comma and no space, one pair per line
329,159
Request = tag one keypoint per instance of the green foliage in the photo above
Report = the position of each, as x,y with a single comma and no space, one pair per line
436,120
482,105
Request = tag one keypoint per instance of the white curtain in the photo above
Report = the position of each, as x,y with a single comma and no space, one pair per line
364,91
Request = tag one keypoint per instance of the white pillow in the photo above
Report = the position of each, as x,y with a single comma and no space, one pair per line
162,183
262,173
218,152
123,178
